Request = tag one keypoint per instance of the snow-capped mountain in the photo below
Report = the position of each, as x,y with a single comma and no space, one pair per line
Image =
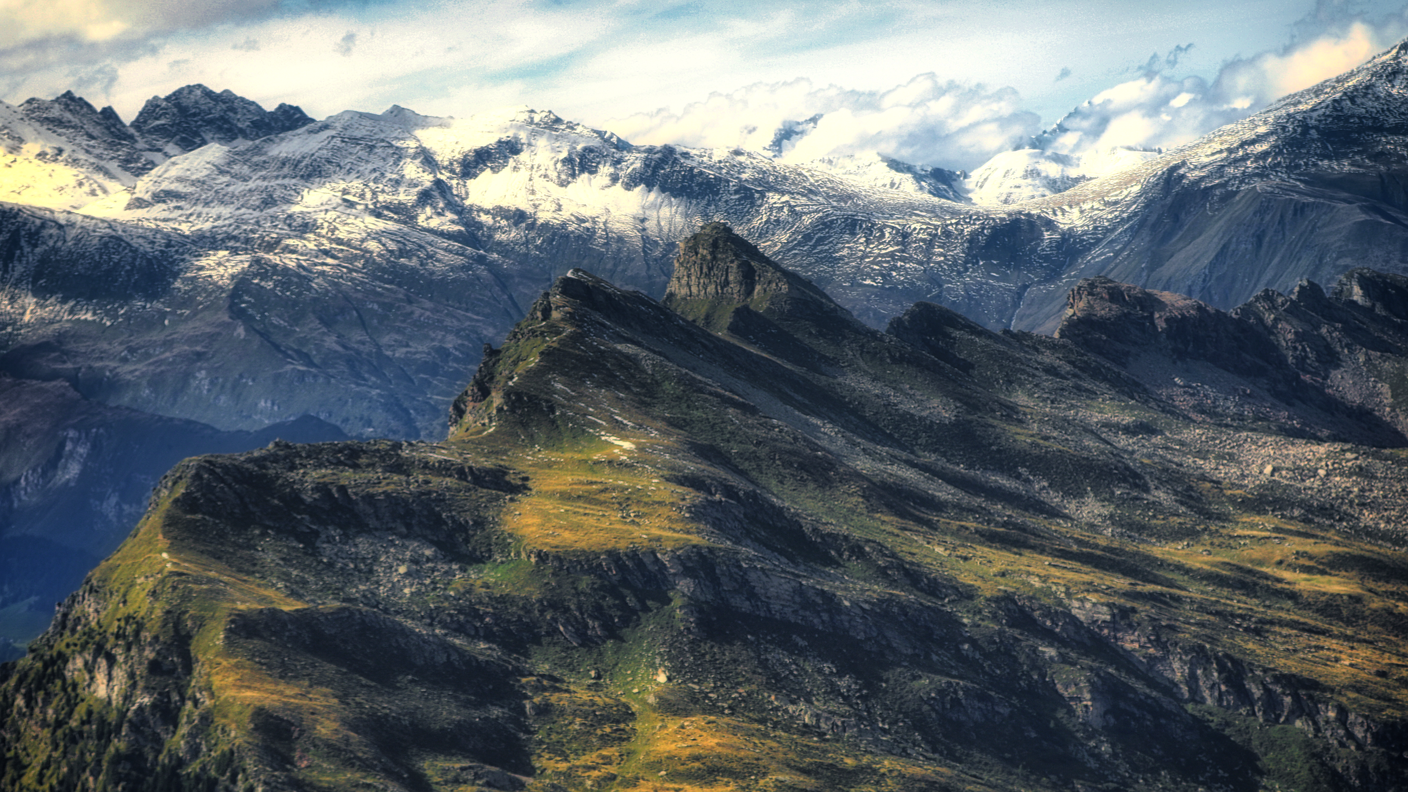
887,173
478,214
193,116
64,153
1027,174
351,268
527,186
1307,189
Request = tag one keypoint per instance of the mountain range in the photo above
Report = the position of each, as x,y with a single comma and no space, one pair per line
738,539
217,269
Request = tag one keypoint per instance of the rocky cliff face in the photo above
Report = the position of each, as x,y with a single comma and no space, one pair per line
722,281
1322,365
789,552
717,264
77,478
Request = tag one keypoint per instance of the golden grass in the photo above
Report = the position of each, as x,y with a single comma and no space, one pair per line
241,686
1218,581
598,496
158,573
716,753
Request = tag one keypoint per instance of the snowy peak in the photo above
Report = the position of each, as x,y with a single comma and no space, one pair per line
1370,96
398,166
523,122
74,127
286,117
1022,175
878,171
402,167
406,118
62,153
73,117
1346,121
1028,174
193,116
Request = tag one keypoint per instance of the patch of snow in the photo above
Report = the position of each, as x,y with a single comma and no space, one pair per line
1028,174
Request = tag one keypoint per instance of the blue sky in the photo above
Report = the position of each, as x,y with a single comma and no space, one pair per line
937,82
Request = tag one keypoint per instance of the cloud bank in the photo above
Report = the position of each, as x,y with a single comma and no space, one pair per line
1159,111
323,57
928,121
924,121
29,21
981,68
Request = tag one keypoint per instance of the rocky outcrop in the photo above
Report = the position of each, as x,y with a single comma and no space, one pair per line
1117,321
716,264
1382,293
1318,364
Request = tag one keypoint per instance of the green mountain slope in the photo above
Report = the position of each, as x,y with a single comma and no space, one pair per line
738,540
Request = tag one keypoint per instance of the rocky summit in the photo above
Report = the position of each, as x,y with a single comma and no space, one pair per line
739,540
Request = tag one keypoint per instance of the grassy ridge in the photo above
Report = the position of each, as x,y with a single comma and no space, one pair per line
776,552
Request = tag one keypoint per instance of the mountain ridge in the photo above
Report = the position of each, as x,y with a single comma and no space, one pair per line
92,153
354,268
655,554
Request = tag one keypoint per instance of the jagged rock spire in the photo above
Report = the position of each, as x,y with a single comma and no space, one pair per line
717,264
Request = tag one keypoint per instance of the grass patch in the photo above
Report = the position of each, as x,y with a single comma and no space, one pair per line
592,498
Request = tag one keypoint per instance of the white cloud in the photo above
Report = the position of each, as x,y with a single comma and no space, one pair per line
1271,75
599,62
925,121
24,21
1152,111
929,121
1158,111
427,59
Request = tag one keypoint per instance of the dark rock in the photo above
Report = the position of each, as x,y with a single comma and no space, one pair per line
719,268
193,116
101,134
1313,362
